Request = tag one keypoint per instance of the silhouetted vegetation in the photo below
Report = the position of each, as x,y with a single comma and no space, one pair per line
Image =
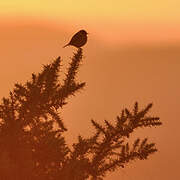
32,142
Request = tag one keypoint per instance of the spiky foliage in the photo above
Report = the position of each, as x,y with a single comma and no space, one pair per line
31,128
31,132
108,149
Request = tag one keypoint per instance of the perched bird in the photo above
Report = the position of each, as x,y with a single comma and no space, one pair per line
78,40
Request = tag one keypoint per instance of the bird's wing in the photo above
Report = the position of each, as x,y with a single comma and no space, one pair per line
75,38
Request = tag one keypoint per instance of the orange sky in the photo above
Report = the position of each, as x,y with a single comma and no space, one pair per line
130,20
163,10
132,54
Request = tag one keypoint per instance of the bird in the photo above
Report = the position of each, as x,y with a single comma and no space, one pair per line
78,40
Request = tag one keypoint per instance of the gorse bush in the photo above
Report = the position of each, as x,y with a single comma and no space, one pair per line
32,140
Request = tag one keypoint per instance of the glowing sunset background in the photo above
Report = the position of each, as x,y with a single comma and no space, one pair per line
132,54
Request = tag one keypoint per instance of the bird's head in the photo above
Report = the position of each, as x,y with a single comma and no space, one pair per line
83,32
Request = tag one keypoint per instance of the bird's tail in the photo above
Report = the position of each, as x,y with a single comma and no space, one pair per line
66,45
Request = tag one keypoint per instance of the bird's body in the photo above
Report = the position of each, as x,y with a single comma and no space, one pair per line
79,39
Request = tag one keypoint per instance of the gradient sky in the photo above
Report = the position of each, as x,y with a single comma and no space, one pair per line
132,54
137,9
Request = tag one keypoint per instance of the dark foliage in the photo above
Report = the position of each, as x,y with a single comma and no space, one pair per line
31,132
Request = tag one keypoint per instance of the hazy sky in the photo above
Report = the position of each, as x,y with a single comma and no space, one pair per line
155,20
132,54
154,10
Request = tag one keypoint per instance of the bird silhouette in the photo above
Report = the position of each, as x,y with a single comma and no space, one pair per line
78,40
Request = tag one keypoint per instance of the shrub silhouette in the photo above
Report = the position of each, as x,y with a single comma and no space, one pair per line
31,132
